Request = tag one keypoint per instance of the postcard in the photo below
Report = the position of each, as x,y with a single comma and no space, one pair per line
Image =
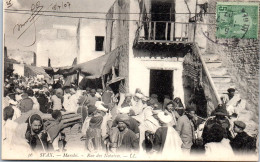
130,80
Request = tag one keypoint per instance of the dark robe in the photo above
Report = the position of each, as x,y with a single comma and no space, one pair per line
106,97
43,102
129,142
57,85
243,143
53,128
93,135
92,100
159,138
38,144
206,135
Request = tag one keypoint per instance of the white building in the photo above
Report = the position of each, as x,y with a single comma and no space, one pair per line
154,45
62,44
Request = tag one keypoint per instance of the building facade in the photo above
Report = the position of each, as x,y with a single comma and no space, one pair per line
85,41
155,38
170,48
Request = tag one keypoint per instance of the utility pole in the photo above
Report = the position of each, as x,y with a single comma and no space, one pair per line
195,27
78,40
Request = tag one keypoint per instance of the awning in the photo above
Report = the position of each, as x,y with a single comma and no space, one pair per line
11,61
97,67
66,70
114,80
91,69
34,70
110,61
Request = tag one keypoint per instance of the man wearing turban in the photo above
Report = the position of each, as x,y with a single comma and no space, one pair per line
128,101
127,140
167,141
38,138
132,123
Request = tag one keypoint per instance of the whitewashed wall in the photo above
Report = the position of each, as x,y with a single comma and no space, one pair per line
90,29
139,68
59,44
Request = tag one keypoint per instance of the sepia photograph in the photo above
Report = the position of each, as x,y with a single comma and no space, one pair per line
130,80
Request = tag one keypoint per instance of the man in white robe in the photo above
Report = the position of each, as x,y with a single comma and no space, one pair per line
73,101
66,98
167,141
8,126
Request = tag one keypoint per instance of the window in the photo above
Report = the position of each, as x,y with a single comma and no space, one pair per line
99,43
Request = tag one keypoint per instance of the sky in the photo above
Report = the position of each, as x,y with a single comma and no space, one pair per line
22,30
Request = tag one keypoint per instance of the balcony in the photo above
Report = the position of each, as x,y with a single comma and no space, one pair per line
165,32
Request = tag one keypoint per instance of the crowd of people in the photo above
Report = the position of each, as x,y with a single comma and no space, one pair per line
116,123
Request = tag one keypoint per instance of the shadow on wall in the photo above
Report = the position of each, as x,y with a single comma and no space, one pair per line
160,50
193,91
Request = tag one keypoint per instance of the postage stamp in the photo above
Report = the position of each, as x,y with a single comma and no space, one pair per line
237,20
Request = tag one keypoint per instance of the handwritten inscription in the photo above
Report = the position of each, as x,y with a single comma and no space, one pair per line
60,6
35,9
25,31
9,3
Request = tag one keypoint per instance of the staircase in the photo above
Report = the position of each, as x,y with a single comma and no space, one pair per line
222,81
219,74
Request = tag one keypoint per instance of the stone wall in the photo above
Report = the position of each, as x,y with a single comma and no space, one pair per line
117,26
117,36
123,64
240,57
242,61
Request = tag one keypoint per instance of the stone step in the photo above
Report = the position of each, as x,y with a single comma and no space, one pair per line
222,93
223,86
218,72
211,57
221,79
213,64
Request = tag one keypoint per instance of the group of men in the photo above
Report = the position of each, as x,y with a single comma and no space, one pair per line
116,123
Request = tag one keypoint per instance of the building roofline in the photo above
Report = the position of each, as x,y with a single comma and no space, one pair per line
111,7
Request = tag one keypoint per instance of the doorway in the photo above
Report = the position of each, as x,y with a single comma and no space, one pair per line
162,11
161,83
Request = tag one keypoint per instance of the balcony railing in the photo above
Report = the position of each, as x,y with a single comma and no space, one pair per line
167,31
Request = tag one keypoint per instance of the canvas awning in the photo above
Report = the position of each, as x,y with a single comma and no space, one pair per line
11,61
91,69
114,80
34,71
66,70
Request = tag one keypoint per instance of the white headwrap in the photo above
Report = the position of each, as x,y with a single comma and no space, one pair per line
125,110
139,95
99,105
164,117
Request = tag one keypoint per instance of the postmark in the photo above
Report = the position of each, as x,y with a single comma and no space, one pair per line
237,20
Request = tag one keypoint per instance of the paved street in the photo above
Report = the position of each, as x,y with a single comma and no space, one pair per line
73,139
